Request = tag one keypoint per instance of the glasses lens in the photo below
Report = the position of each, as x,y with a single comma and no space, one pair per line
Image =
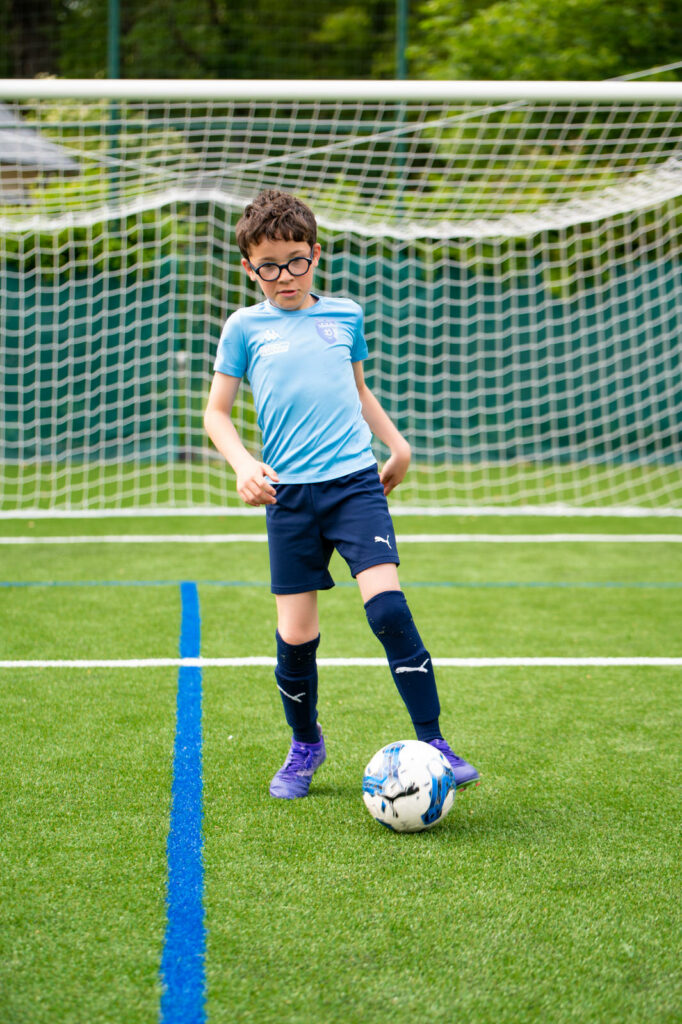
299,266
268,271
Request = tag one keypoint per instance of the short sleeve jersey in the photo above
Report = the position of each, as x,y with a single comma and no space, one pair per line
299,366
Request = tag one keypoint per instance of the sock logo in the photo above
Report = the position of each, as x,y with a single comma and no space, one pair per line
297,697
416,668
383,540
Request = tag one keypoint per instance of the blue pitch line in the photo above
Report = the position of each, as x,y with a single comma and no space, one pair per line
183,962
130,583
452,584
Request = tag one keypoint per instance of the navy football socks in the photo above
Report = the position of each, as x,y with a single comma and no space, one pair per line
391,621
296,675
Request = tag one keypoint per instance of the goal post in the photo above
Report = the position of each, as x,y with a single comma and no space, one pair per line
515,247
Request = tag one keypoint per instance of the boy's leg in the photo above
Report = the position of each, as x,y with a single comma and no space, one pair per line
391,621
298,636
297,617
296,675
299,567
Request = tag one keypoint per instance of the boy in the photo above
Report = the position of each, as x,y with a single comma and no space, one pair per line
319,480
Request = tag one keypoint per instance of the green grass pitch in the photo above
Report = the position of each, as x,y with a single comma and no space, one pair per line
551,893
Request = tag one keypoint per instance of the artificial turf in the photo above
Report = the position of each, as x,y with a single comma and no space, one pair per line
549,893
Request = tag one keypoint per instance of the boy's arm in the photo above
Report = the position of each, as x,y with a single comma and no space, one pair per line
252,486
381,425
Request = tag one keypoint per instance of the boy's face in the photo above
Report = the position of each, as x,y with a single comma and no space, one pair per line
289,291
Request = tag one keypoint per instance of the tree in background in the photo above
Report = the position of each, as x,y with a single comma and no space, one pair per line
450,39
28,36
200,38
533,39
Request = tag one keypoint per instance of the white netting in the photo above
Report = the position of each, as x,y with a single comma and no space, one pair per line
518,263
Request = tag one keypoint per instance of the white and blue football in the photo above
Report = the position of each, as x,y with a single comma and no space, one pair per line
408,786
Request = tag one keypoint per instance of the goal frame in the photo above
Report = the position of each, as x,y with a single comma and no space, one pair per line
612,92
497,91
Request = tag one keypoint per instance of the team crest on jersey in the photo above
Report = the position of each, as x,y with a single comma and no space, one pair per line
326,330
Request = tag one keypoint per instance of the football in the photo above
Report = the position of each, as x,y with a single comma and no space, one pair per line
408,786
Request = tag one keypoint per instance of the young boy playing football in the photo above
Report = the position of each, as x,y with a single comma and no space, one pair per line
319,482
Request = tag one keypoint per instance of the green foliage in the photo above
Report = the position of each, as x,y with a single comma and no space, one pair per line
102,132
212,39
584,39
132,244
531,39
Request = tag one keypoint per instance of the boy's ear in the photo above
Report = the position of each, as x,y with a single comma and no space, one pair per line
247,267
317,252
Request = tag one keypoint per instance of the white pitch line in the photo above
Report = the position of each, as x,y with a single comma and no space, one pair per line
406,538
269,662
556,511
145,538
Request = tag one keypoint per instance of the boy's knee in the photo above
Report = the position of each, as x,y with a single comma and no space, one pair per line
388,613
297,636
297,618
391,621
296,654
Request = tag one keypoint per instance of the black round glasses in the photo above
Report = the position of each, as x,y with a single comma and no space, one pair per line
297,267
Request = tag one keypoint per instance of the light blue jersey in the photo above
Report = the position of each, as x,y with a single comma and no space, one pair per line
299,365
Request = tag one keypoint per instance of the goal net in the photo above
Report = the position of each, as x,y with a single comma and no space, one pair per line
515,246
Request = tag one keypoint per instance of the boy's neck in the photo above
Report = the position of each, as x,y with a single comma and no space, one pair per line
310,300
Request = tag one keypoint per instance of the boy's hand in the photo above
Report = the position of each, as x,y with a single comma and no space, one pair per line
252,485
396,467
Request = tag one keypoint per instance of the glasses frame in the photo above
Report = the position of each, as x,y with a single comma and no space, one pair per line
282,266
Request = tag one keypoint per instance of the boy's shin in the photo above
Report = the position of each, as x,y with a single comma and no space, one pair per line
391,621
296,677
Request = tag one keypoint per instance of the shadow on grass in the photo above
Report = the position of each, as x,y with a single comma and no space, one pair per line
479,815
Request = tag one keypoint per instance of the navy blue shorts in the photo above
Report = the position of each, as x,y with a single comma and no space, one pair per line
349,514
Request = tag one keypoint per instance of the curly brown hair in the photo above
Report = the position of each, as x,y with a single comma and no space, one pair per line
275,215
